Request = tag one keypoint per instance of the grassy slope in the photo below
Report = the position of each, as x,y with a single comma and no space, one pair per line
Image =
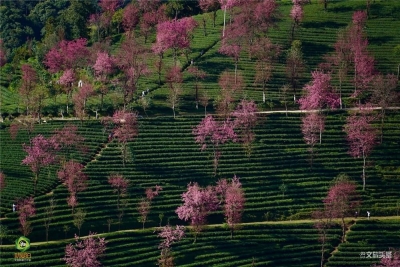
317,33
165,154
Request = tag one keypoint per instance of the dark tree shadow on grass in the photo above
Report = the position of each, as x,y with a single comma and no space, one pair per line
324,24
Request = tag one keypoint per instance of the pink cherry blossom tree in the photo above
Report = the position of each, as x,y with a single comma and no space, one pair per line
319,93
211,6
170,236
103,65
197,204
151,194
26,209
131,59
234,204
120,187
198,75
341,60
145,203
72,201
245,120
25,124
124,128
231,50
174,79
351,51
294,65
28,83
296,13
342,200
312,126
143,208
73,177
69,140
103,68
323,221
362,60
214,133
41,153
230,85
148,5
384,94
152,15
361,136
85,252
220,189
265,53
158,51
130,18
250,20
393,261
175,34
80,99
227,5
108,7
66,80
265,17
67,55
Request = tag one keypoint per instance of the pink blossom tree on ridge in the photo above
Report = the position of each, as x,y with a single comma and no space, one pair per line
197,204
41,153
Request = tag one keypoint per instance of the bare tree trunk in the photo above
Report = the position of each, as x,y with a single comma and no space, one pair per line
264,92
35,179
340,92
214,17
382,122
343,229
322,251
236,65
312,157
363,173
204,27
175,56
292,35
320,136
197,94
223,30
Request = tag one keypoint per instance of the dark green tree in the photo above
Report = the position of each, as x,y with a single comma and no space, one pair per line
73,20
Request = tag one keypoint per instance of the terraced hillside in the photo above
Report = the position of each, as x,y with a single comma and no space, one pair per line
165,154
